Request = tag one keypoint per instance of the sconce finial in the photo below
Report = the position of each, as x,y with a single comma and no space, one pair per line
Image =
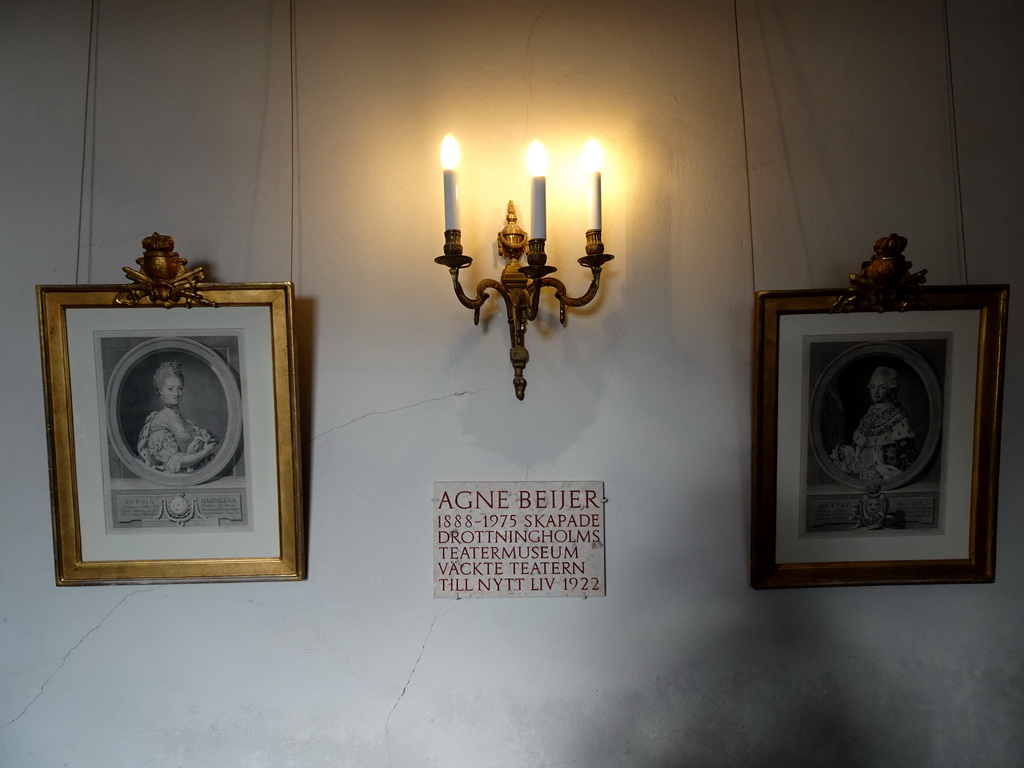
511,237
510,214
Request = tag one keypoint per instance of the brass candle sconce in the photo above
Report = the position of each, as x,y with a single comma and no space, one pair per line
520,285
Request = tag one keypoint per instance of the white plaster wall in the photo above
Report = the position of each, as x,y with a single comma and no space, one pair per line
843,130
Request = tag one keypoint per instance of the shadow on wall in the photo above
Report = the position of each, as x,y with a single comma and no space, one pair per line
304,317
568,366
776,688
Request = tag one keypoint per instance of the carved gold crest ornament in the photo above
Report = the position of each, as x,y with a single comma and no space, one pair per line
163,279
885,281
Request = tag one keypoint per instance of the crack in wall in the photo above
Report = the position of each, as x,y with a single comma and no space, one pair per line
528,72
408,680
396,410
64,660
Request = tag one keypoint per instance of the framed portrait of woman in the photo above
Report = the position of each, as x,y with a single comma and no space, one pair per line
173,435
876,438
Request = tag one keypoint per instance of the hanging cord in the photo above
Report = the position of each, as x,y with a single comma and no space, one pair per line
89,94
746,149
961,239
293,72
86,133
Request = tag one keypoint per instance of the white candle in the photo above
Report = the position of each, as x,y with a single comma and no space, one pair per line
593,159
537,163
450,164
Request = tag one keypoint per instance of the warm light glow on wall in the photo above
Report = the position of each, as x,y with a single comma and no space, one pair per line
520,285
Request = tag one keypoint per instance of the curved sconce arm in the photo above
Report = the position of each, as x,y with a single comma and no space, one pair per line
481,294
594,260
455,260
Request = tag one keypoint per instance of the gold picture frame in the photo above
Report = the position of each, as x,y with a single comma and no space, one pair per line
151,485
876,437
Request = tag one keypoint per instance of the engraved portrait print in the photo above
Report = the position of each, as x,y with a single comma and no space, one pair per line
874,422
175,454
168,442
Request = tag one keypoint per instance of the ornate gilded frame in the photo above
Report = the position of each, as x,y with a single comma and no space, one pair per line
242,522
809,531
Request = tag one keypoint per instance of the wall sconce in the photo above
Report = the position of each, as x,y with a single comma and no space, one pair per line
520,286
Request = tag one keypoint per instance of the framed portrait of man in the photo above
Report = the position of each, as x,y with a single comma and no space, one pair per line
173,435
876,439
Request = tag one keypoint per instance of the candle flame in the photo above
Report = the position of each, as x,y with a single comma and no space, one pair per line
450,154
593,156
537,159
